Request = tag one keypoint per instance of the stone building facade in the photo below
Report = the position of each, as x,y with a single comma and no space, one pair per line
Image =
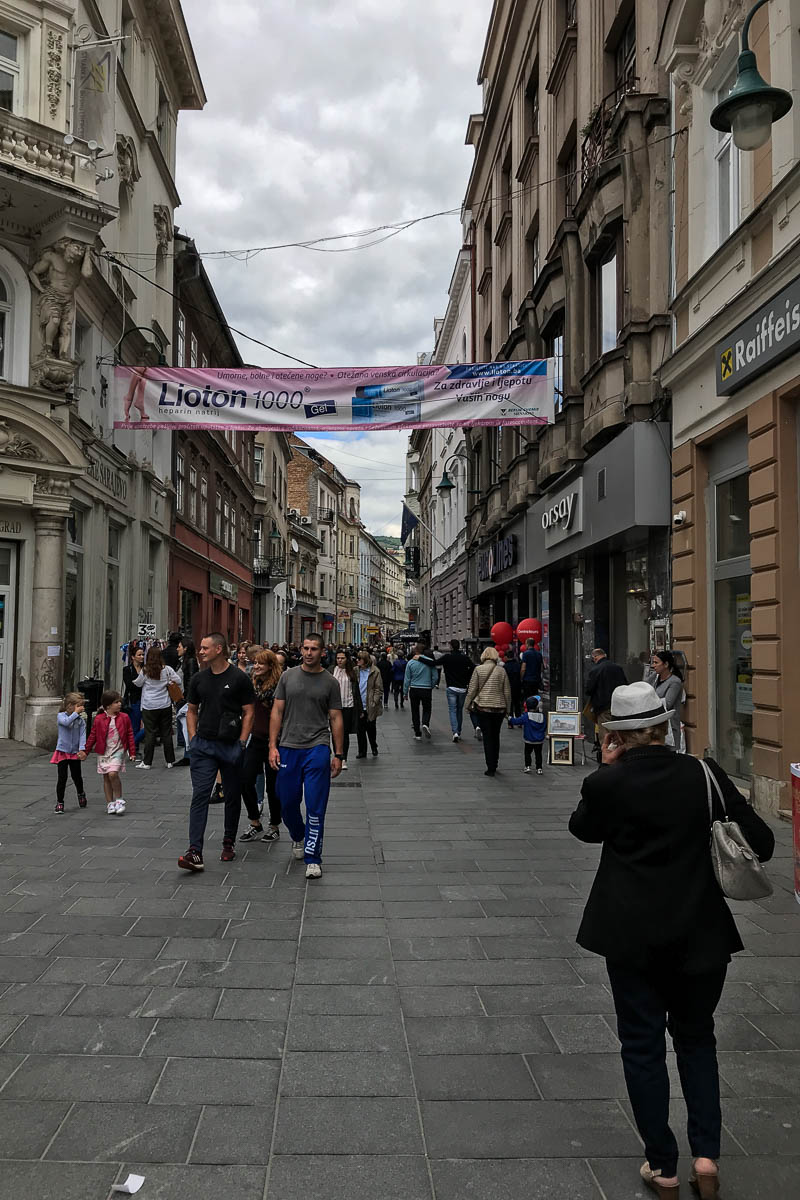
571,173
271,544
734,377
84,511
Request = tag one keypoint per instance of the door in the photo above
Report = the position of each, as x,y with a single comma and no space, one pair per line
8,568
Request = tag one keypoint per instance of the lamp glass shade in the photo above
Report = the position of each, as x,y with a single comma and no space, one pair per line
751,125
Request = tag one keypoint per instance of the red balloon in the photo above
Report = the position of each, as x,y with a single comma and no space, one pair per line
501,633
530,628
501,650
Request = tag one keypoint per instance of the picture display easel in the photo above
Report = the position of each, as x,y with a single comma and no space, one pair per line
563,728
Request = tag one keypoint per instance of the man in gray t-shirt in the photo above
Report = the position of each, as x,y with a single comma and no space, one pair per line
306,712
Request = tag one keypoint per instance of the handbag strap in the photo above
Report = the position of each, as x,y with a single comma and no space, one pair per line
711,779
485,681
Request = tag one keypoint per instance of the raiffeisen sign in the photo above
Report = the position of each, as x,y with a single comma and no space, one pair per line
770,334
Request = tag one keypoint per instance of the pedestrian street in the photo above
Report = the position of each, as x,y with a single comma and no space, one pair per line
418,1024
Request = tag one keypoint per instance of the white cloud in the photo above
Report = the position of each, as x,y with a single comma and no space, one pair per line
378,462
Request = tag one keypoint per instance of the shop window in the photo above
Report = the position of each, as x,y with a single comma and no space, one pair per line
732,658
10,90
727,160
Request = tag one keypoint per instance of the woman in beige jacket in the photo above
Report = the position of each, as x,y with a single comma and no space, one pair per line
489,695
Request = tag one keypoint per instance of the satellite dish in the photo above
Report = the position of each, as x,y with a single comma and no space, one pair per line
295,547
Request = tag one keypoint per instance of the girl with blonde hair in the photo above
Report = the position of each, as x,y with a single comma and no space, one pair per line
71,741
267,671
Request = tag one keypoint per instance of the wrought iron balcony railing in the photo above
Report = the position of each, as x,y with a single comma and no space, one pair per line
596,143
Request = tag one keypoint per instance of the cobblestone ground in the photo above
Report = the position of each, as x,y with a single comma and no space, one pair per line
418,1024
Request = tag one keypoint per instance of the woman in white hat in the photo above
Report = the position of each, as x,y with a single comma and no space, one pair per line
657,915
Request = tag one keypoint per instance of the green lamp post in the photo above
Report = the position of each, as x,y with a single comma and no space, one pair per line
752,106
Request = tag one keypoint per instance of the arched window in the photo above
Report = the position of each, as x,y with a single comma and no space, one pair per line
15,320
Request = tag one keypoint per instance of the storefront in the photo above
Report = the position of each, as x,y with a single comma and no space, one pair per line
735,388
499,579
207,599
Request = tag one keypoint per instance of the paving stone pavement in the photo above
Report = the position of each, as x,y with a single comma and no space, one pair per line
417,1025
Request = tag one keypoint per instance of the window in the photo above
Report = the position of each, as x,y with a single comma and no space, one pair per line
258,463
508,310
487,242
204,504
532,102
533,258
233,528
322,585
625,61
180,340
727,173
126,46
226,523
179,481
9,71
274,475
570,181
193,495
555,350
193,351
218,517
163,120
607,296
352,547
258,537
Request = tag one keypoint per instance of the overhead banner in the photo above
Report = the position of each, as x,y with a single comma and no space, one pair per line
332,399
95,94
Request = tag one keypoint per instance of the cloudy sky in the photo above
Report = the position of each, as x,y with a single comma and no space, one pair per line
325,118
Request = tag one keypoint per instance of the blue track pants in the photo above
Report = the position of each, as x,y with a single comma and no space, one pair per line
306,771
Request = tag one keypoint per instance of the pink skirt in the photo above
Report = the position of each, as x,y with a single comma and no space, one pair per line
60,756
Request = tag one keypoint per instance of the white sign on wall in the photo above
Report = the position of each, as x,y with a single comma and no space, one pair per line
563,514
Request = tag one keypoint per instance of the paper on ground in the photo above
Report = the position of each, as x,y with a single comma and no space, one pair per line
130,1186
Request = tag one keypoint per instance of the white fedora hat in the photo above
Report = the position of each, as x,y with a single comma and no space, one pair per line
636,706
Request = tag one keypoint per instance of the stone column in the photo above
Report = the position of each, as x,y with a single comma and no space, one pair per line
47,613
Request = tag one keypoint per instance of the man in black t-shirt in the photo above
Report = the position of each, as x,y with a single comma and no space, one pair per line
219,719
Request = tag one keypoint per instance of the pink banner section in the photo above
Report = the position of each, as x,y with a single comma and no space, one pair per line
335,399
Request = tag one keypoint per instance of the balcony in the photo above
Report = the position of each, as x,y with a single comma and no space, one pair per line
267,571
597,142
37,150
326,516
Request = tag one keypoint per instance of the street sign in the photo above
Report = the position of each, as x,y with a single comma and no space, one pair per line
340,627
146,632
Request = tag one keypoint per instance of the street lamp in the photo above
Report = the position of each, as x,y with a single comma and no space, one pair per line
752,105
162,362
446,485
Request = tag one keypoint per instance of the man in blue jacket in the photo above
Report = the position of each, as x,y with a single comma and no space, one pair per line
420,679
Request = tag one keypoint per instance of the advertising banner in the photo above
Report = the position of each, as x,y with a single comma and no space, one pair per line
95,94
333,399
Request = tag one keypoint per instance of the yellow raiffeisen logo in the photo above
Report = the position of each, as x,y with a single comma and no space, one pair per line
726,363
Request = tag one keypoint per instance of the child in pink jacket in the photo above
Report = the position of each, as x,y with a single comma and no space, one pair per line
111,738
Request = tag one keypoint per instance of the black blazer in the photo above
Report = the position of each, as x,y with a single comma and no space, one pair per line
655,899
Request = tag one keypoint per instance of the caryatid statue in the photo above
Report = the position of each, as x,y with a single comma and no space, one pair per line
56,275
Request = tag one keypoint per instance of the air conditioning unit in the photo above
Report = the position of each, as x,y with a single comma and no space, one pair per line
305,520
294,512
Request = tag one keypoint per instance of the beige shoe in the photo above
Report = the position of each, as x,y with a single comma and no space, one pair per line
704,1184
653,1180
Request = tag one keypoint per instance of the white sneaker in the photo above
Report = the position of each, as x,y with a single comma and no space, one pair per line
142,766
479,734
111,807
526,770
538,770
344,764
417,737
298,849
313,871
170,766
456,737
120,807
426,731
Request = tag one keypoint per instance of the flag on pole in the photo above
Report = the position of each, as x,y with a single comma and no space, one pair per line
409,524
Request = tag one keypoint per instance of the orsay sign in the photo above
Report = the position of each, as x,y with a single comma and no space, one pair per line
562,514
499,557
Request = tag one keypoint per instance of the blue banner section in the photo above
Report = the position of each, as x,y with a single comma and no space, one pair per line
536,366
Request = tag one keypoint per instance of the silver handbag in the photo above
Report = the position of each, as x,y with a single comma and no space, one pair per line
739,873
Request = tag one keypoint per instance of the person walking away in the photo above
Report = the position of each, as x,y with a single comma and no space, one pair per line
398,675
490,692
669,687
530,669
112,738
385,668
219,721
513,670
657,915
346,676
71,741
154,680
420,679
306,714
534,728
189,667
266,673
131,696
601,680
171,653
457,674
371,688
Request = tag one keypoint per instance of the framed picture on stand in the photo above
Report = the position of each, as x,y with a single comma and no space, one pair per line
567,704
567,724
561,751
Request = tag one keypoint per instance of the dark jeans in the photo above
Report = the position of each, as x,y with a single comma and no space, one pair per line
135,714
387,683
516,698
648,1002
74,768
534,748
348,726
491,723
205,759
367,729
420,697
158,721
397,692
255,764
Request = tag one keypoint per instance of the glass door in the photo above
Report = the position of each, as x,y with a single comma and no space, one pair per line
732,653
8,563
